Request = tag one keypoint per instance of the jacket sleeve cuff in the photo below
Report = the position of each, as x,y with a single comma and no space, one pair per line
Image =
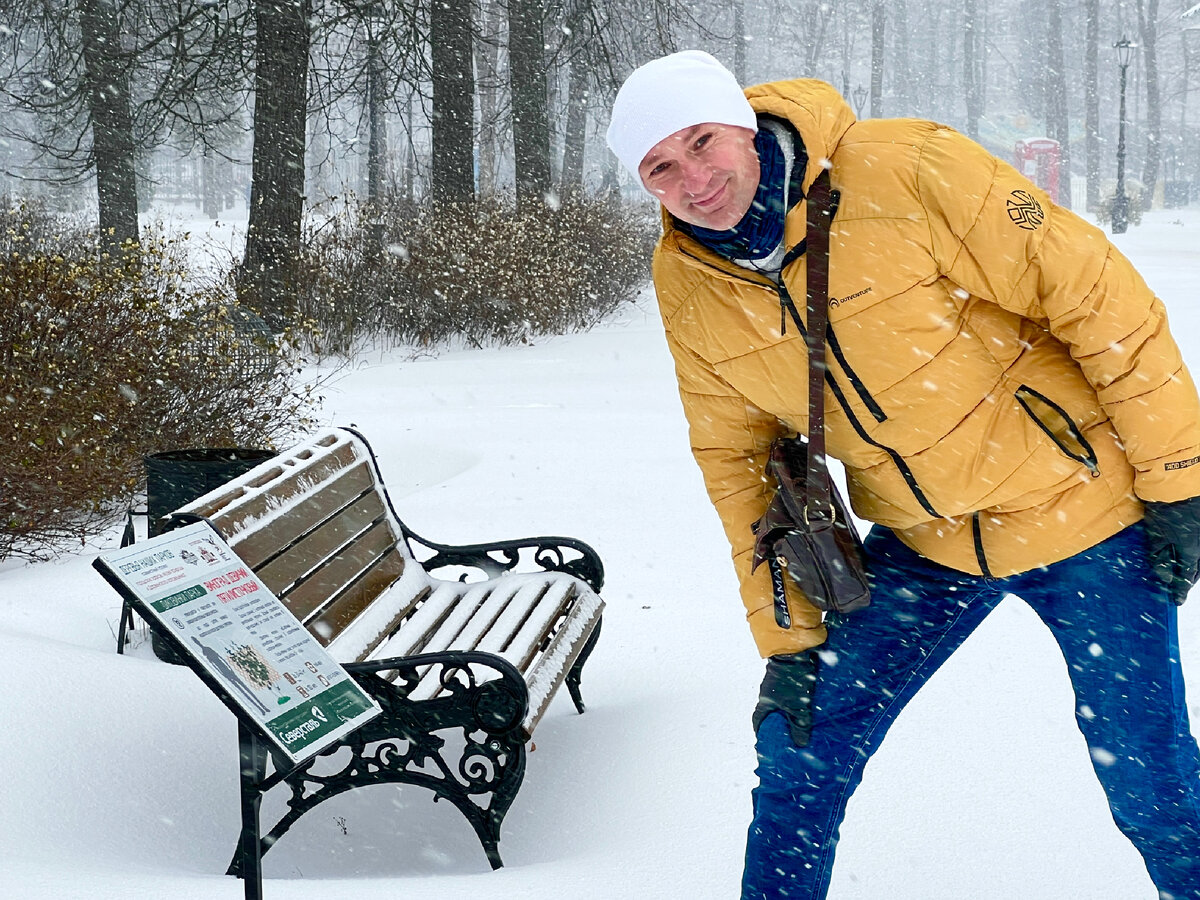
772,640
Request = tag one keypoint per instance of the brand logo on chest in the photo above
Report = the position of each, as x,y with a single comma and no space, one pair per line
835,302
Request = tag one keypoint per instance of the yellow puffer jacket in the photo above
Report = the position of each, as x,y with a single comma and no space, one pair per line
1008,391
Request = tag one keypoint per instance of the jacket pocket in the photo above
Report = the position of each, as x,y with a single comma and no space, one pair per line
1058,425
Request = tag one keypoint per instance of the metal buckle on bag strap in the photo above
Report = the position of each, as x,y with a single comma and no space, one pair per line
832,518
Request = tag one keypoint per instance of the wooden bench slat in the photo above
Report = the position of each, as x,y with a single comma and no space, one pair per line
355,599
541,622
259,540
322,543
552,666
413,635
455,635
474,614
367,635
515,614
316,591
267,488
467,606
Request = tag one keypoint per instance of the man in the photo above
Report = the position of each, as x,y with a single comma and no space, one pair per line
1012,412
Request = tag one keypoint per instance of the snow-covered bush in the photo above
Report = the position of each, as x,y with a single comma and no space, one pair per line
482,274
104,360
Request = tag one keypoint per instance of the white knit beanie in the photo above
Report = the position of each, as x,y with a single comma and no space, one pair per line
671,93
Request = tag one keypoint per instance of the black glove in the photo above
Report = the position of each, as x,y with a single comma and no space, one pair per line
787,687
1173,532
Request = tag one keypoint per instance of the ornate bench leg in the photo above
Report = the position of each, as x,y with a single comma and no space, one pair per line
247,860
577,669
487,823
404,745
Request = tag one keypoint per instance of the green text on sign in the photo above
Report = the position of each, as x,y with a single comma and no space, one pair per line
186,596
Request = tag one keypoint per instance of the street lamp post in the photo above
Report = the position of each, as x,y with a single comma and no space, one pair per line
860,97
1120,204
377,141
1187,35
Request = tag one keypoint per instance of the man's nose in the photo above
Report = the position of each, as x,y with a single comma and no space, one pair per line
695,174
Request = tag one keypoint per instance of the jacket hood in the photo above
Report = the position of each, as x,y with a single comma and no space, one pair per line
814,108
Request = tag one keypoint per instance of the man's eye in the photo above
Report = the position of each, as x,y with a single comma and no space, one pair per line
702,140
659,169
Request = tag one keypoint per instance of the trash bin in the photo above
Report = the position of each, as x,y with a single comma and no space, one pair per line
177,477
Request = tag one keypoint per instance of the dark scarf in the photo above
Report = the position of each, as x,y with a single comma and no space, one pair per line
761,229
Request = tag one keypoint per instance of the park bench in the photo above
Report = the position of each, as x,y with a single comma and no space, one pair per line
463,647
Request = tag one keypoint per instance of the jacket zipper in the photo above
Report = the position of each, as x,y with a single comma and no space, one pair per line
977,535
1088,457
786,303
859,388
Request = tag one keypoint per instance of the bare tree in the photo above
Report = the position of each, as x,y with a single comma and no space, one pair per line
453,166
106,84
972,66
1057,119
901,62
527,81
277,192
578,94
488,86
1091,101
1147,13
103,80
739,40
878,29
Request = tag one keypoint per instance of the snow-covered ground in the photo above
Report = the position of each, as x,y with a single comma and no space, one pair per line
118,773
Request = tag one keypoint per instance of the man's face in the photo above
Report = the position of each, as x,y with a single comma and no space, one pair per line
705,175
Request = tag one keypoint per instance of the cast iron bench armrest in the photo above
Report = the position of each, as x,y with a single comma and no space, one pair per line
497,705
493,559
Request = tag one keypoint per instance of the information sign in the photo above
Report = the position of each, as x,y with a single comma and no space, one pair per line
194,586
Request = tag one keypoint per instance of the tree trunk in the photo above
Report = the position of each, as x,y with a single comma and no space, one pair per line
575,136
1057,119
210,185
1091,102
487,64
376,145
277,189
453,167
972,60
901,72
878,31
106,79
739,41
1148,26
527,75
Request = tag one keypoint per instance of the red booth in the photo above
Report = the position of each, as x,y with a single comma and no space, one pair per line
1038,160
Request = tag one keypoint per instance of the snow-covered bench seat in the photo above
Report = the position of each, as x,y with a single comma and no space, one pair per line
463,665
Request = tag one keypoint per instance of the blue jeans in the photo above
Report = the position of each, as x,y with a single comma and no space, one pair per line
1117,630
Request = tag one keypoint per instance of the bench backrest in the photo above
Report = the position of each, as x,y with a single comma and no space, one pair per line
316,526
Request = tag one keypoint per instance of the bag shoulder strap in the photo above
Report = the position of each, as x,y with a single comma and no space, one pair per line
822,203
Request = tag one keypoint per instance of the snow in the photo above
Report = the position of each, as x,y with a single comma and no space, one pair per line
121,772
